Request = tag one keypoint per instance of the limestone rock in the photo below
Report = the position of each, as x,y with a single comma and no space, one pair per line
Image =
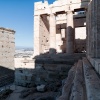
41,88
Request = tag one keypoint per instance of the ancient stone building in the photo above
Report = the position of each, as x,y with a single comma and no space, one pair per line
62,31
57,26
50,35
7,48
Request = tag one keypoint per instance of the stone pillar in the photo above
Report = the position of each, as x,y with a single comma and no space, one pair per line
91,31
94,30
70,33
63,36
63,33
52,34
36,35
58,43
88,30
96,27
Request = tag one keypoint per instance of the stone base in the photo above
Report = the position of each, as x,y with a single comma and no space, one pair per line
95,63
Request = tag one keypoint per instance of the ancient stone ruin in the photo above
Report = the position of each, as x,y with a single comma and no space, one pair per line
7,48
66,52
65,63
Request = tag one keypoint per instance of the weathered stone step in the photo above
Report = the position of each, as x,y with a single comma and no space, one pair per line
66,90
62,55
92,81
59,59
78,88
46,61
74,88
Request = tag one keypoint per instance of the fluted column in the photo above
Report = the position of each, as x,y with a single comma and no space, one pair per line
52,34
70,33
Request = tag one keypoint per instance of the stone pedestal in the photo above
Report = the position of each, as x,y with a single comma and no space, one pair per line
70,33
52,48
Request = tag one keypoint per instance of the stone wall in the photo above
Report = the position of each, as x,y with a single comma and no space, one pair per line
7,48
93,30
23,70
7,51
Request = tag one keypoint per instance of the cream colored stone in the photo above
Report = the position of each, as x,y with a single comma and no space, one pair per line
51,17
7,48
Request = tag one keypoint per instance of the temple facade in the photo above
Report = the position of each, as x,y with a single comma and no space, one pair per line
57,25
67,26
66,50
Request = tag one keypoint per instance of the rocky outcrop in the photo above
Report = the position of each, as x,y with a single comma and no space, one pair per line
41,88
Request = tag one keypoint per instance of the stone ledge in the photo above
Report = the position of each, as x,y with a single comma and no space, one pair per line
6,29
68,84
78,88
95,63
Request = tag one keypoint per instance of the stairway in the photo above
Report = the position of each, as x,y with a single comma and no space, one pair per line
82,83
48,69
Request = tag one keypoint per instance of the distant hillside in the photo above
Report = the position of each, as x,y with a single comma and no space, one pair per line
24,48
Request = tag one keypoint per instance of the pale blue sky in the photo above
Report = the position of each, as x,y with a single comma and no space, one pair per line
18,15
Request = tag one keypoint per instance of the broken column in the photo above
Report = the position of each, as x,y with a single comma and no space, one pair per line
52,34
70,33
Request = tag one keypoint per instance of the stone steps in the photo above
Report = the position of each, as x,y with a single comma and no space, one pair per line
78,88
68,84
48,69
92,81
62,56
82,84
59,58
69,62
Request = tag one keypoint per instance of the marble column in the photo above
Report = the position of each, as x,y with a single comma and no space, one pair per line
96,16
36,35
95,29
91,31
58,43
63,33
70,33
52,23
88,29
